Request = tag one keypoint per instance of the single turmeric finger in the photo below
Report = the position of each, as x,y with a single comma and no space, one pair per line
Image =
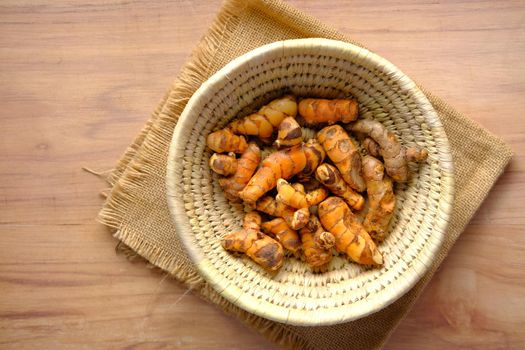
296,219
382,200
316,196
267,119
295,196
393,153
350,236
262,249
315,155
300,218
289,133
316,243
283,233
290,195
223,164
267,252
224,140
416,155
332,179
246,166
252,221
372,147
281,164
298,187
317,110
342,150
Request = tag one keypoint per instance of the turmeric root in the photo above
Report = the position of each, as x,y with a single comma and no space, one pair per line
341,149
290,195
246,166
223,164
350,236
296,219
371,147
332,179
394,154
416,155
268,118
283,233
300,218
317,244
313,197
262,249
281,164
316,196
289,134
252,221
315,155
226,141
295,196
317,110
381,197
298,187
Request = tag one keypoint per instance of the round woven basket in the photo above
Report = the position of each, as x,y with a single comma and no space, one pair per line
202,215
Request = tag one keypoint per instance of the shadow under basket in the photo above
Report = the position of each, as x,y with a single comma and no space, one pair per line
202,215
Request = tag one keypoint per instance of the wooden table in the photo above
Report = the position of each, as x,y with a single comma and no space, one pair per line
79,78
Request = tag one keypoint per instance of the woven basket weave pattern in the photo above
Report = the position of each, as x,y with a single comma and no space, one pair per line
321,68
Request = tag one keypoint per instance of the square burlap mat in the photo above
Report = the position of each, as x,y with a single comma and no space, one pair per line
136,209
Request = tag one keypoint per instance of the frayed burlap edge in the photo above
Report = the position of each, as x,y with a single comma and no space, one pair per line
135,164
132,150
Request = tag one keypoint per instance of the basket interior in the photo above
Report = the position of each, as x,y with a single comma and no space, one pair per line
346,290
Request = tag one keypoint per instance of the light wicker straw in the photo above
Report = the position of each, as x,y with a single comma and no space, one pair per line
202,215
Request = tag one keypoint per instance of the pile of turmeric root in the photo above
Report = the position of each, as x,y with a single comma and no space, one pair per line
318,195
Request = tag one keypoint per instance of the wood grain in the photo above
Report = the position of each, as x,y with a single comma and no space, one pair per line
79,78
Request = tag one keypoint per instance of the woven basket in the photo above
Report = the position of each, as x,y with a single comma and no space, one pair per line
320,68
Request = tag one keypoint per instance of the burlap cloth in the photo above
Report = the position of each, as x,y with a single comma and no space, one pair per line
137,211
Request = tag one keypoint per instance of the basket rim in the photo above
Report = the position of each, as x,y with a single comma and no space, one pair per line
267,309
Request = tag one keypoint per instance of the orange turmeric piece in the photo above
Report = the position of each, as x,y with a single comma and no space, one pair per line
296,219
291,195
332,179
289,133
371,147
342,150
316,196
298,187
315,155
300,218
226,141
318,111
281,164
394,154
262,249
267,119
415,154
317,244
223,164
381,197
295,196
283,233
350,236
301,215
246,166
